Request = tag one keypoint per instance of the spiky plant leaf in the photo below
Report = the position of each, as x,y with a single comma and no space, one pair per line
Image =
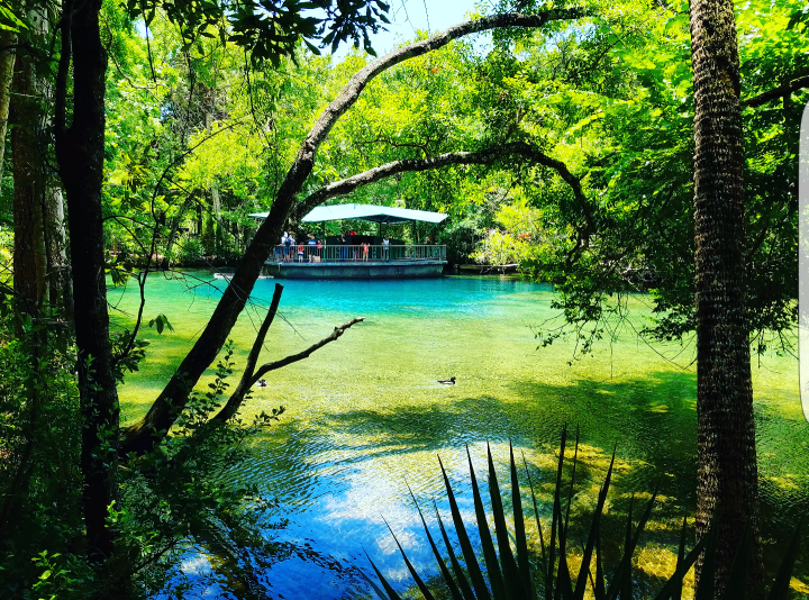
463,582
622,580
489,553
581,583
543,556
675,582
520,536
556,513
478,582
737,578
780,588
511,577
421,585
599,590
391,593
453,588
564,529
564,585
677,594
707,577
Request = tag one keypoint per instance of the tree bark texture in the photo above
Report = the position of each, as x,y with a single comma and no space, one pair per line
727,479
29,187
60,290
163,411
80,154
7,59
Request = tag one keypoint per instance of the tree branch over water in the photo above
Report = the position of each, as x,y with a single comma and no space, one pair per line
481,157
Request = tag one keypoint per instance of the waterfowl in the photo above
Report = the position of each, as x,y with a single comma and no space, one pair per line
450,381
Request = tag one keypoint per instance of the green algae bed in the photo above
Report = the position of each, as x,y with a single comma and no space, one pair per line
365,416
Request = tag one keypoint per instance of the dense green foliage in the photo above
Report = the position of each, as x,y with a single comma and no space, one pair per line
175,494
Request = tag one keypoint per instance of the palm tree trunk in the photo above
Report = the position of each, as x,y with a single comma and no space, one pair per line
29,183
727,478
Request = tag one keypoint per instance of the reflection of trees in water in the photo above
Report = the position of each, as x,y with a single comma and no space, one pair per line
241,551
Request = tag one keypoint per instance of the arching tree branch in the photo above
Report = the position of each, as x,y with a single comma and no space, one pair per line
481,157
237,397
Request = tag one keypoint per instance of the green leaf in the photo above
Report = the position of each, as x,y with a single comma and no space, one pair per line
419,582
520,536
489,553
453,588
391,593
511,577
469,554
581,583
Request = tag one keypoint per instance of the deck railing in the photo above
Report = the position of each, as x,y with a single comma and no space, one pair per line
358,253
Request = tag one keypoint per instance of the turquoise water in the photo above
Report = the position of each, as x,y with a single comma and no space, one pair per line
366,416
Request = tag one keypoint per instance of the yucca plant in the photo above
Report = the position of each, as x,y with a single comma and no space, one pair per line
502,570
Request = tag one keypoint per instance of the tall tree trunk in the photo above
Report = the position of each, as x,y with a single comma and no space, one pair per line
7,57
29,185
727,479
80,154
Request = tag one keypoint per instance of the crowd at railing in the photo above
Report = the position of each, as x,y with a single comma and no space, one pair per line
365,252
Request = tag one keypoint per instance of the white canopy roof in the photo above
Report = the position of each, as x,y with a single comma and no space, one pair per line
366,212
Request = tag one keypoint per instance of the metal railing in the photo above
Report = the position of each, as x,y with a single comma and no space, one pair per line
307,253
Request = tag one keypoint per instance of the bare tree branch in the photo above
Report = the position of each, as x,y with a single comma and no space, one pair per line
235,401
246,381
293,358
781,91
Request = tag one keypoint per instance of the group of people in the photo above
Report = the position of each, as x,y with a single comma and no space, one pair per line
312,250
362,250
290,248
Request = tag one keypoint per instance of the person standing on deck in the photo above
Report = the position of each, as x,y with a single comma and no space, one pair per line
343,248
385,248
288,241
312,244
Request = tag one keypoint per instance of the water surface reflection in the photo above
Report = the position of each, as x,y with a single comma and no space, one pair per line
366,418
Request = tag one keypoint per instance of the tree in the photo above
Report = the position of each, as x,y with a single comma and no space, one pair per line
727,477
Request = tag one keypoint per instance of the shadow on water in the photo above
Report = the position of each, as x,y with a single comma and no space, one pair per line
337,475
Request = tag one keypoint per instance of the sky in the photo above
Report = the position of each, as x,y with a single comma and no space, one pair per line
407,16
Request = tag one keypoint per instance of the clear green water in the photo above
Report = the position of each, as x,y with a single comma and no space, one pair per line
366,416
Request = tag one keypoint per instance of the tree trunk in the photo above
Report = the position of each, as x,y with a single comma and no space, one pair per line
60,290
727,479
7,56
29,187
80,154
